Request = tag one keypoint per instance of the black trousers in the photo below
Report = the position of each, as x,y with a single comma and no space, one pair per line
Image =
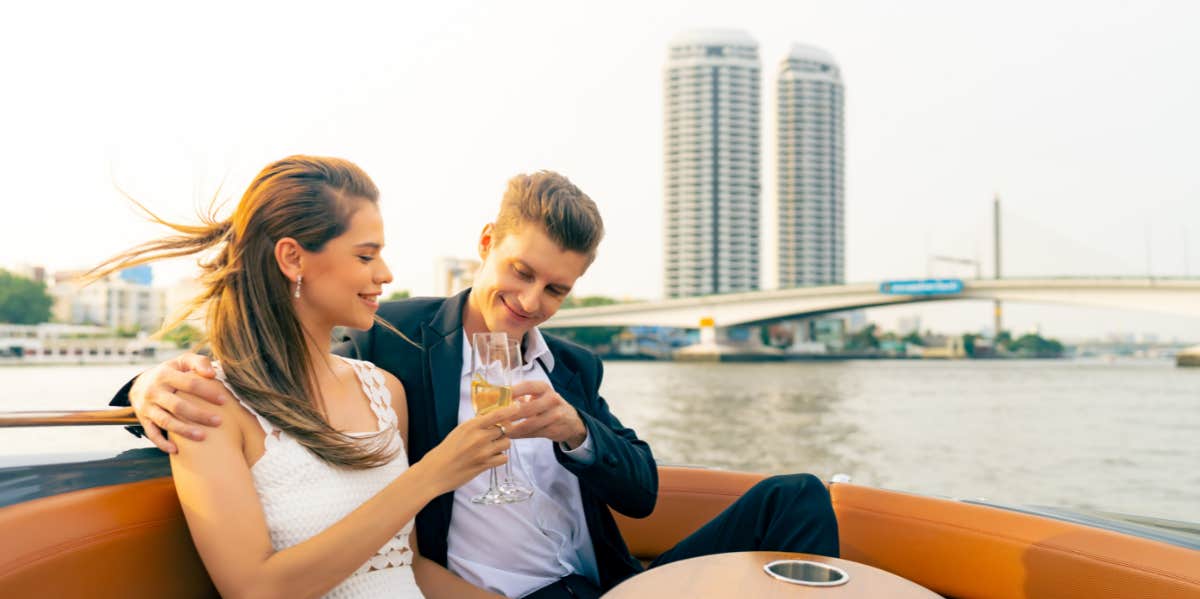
782,513
791,512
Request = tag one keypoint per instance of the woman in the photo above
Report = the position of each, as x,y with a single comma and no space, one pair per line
305,489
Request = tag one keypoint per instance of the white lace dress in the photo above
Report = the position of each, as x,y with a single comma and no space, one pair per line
303,495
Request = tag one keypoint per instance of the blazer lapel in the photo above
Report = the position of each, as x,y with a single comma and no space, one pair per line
443,338
566,382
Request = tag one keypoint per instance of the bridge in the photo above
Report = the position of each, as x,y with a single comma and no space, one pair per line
1179,296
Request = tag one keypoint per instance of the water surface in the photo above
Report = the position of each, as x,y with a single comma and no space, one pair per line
1121,436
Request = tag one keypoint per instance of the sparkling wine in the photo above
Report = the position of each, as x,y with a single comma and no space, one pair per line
486,397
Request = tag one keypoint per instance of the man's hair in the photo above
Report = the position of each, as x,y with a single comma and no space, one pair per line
568,216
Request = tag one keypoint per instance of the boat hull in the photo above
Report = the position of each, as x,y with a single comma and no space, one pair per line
129,539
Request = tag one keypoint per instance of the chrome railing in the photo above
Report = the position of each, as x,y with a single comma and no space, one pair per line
68,418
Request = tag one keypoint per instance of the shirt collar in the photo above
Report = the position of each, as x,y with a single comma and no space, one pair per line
535,348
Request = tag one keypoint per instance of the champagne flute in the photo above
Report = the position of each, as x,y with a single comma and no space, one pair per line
490,390
512,486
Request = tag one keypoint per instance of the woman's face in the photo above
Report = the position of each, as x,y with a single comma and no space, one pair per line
343,281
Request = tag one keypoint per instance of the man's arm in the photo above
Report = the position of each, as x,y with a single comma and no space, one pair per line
160,409
121,398
623,473
619,469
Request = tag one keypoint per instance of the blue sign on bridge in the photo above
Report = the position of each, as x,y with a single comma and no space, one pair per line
922,287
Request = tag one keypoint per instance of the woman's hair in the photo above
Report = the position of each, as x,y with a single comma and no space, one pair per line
252,326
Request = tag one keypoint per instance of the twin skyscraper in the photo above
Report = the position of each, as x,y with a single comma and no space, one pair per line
712,169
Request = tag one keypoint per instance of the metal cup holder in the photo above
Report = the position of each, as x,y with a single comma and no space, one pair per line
813,574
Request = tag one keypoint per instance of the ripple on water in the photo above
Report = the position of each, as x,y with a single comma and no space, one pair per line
1117,437
1070,434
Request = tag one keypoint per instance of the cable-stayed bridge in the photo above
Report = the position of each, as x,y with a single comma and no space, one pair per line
1180,296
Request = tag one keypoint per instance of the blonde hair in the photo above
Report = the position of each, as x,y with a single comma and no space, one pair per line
546,198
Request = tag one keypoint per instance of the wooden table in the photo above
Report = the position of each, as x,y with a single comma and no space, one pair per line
741,575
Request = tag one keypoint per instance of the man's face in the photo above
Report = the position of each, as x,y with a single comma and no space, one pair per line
523,280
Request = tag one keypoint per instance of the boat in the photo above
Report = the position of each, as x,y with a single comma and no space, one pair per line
110,525
1188,357
55,343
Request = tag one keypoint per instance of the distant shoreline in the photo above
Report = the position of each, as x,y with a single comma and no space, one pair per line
736,358
91,360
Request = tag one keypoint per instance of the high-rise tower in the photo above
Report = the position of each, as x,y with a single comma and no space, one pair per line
711,163
811,173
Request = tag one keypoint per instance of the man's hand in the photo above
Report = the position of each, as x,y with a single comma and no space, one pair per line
159,409
547,415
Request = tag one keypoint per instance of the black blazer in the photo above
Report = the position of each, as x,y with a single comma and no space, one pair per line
623,475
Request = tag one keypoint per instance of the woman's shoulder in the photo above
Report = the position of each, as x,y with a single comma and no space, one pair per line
383,387
377,375
236,413
364,368
231,431
354,361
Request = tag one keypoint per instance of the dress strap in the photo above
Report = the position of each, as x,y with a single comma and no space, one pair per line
272,434
375,388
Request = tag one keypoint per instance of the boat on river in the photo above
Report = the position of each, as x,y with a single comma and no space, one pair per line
1189,357
110,525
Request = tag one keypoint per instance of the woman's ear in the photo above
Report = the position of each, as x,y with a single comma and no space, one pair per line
290,258
485,241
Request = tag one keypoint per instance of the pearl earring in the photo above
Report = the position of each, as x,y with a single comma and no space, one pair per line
299,280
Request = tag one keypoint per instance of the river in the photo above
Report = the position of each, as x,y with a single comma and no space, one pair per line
1114,436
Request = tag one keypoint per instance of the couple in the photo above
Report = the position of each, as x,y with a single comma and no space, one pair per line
301,465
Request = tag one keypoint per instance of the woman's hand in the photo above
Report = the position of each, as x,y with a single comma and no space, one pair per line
472,447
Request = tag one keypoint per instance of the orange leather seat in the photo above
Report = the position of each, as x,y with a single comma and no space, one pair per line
687,499
126,540
962,550
131,540
953,548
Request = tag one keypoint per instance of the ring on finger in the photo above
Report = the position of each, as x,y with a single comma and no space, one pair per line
503,431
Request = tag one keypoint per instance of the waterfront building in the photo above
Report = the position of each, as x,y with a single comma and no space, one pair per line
909,324
58,343
811,168
32,272
711,165
141,274
179,296
63,291
451,275
112,302
939,347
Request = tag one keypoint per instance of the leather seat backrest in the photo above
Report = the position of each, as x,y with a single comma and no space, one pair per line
687,498
131,540
963,550
127,540
954,548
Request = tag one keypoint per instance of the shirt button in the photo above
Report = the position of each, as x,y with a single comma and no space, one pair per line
610,459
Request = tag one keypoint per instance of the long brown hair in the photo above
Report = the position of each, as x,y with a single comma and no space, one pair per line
252,325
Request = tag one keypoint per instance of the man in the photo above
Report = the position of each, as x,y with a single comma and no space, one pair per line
563,542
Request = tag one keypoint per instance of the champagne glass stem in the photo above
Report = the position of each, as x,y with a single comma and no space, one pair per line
489,389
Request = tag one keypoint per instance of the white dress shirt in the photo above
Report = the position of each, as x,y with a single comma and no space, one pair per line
517,548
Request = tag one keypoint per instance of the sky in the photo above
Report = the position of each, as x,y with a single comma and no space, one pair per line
1080,115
